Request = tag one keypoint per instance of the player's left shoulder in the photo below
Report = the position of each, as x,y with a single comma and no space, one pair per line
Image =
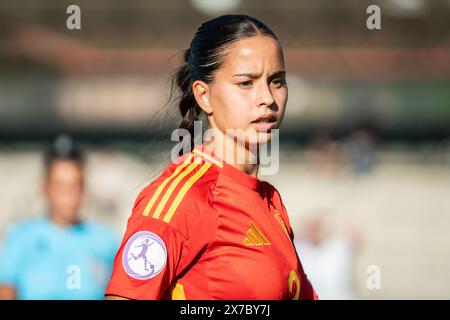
273,194
269,188
278,205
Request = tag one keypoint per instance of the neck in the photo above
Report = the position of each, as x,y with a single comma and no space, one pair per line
60,221
236,154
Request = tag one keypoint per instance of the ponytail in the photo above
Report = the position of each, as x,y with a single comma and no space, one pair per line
188,105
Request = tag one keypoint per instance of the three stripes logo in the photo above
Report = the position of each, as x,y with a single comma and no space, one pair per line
255,237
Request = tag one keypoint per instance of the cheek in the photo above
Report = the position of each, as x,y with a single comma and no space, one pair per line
281,97
232,108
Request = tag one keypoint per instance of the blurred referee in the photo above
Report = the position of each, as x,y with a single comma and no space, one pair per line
57,255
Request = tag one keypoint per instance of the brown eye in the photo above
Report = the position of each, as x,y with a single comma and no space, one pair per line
278,83
245,83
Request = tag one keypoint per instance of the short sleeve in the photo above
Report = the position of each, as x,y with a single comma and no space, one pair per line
154,253
147,260
10,253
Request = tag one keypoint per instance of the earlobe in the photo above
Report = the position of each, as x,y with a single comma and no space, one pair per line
201,94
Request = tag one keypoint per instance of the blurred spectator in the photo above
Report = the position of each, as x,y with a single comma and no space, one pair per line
361,150
327,259
326,154
58,256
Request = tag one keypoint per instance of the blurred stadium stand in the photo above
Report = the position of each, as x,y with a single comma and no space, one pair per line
115,70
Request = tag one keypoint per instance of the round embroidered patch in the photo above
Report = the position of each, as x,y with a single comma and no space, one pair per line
144,256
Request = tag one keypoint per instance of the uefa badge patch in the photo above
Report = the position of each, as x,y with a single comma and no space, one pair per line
144,256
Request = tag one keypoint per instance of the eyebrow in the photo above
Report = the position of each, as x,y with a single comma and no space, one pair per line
257,75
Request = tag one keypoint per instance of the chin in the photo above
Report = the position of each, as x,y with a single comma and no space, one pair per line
251,137
262,138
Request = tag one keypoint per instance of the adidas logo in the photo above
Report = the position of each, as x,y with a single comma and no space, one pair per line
255,237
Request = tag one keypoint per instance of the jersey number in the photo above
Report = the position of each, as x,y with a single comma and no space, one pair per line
294,285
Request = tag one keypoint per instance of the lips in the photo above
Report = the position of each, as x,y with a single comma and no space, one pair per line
265,122
266,118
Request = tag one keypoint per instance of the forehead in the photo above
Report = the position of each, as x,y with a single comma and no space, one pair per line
66,168
255,54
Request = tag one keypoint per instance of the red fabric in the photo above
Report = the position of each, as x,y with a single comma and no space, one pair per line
205,239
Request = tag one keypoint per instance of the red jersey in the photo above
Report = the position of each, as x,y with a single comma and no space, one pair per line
206,230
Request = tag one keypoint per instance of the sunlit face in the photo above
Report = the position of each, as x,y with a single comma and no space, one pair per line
64,190
250,83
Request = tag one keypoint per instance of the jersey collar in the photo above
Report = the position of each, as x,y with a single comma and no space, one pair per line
228,170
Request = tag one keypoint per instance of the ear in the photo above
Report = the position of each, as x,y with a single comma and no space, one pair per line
201,94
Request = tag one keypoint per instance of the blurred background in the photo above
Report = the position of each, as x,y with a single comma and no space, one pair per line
365,146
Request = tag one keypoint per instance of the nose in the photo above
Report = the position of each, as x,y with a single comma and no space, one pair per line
264,96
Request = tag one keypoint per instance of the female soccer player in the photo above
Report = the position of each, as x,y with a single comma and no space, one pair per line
209,228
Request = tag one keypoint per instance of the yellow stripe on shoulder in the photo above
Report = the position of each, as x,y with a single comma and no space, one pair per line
208,157
173,185
164,183
194,178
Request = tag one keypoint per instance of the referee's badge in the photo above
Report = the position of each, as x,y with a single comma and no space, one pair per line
144,256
